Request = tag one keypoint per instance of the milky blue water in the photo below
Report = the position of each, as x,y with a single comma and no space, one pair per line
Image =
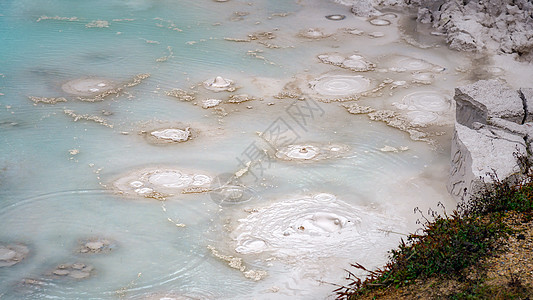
57,174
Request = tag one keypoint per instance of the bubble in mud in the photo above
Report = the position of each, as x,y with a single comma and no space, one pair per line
299,152
340,85
172,134
87,86
309,227
159,183
308,152
379,22
228,189
335,17
12,254
219,84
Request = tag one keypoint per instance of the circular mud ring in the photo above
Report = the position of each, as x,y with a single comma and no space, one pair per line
335,17
380,22
340,85
427,101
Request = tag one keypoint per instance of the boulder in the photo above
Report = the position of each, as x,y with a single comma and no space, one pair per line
478,155
493,128
487,99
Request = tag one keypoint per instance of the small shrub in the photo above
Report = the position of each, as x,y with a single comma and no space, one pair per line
501,196
449,244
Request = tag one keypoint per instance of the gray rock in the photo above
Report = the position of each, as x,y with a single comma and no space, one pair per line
487,99
498,26
476,154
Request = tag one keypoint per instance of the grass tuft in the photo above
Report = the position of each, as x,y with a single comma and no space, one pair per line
448,244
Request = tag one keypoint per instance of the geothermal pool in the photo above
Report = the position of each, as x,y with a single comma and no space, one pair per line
215,149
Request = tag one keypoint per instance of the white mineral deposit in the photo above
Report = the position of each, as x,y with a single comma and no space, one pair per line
218,84
172,134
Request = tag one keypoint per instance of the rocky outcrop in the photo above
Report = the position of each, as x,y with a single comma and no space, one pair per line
493,127
505,26
487,99
496,26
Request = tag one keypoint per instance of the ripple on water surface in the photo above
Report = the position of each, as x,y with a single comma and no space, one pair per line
54,225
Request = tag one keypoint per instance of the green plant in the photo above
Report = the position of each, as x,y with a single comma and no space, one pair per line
446,245
501,196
